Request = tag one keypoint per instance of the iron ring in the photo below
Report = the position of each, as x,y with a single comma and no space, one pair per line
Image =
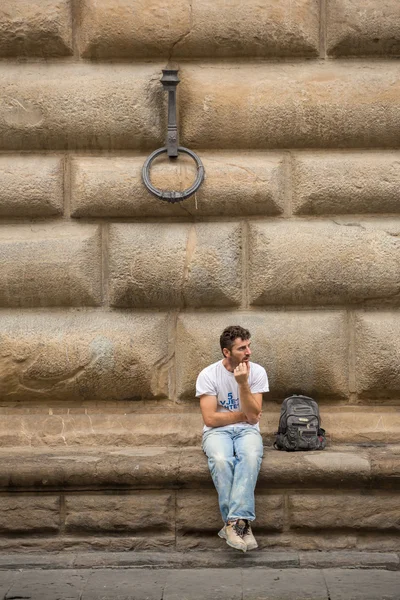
172,196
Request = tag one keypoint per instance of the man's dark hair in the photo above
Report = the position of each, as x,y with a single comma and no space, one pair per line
230,334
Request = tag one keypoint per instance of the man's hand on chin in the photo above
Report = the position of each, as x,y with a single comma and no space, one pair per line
241,372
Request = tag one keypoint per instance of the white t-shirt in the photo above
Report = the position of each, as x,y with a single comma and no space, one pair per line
216,380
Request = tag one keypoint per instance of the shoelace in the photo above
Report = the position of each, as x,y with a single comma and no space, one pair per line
241,529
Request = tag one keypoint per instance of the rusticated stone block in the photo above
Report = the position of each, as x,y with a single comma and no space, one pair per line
35,28
352,511
31,186
80,355
307,105
50,265
363,27
66,106
303,352
377,350
235,184
29,514
133,512
198,28
360,182
153,265
197,511
332,262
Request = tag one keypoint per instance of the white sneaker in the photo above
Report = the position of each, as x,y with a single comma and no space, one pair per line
232,533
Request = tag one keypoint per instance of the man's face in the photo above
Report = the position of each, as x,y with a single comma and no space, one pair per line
240,352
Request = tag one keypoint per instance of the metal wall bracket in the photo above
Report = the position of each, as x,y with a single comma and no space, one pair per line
170,82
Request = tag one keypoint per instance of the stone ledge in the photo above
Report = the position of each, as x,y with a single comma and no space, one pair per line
194,559
179,426
160,467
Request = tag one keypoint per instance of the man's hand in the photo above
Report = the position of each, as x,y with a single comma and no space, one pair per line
241,373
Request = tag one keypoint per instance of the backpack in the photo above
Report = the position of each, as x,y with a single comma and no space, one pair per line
300,425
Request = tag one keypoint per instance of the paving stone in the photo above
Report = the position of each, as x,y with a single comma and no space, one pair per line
133,584
48,585
287,584
7,579
362,585
214,584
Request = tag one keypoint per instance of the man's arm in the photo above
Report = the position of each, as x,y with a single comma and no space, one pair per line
251,403
212,418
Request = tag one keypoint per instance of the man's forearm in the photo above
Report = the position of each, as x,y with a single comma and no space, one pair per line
219,419
248,402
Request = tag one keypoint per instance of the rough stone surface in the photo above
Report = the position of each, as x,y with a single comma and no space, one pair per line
367,585
350,559
299,105
110,584
50,265
198,513
29,514
363,27
282,469
310,585
175,265
48,585
65,106
76,355
343,425
198,28
122,513
374,512
356,182
147,467
193,584
35,28
302,352
314,263
133,468
235,185
31,186
377,350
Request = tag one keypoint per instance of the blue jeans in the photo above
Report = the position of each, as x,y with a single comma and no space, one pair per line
234,459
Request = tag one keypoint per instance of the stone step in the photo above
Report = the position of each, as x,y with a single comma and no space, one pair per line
160,498
177,425
340,559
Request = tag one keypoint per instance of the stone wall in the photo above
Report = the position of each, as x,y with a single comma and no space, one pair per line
107,293
111,301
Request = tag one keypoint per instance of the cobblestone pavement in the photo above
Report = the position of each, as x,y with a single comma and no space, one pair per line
125,576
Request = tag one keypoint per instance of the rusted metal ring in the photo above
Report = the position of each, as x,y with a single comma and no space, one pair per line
172,196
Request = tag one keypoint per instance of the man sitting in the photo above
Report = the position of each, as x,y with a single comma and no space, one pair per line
230,393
